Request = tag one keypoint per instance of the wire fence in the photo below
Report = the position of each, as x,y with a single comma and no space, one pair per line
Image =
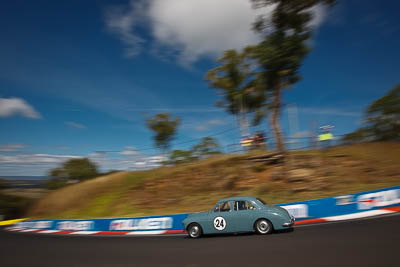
290,143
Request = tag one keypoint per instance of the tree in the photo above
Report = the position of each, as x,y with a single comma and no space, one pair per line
382,120
3,184
181,156
383,116
55,183
79,169
282,50
73,169
233,78
13,207
358,136
164,128
207,146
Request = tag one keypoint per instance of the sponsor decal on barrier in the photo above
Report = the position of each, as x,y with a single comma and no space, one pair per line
75,225
36,224
378,199
344,200
298,210
141,224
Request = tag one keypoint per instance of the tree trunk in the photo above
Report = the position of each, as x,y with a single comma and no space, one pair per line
275,119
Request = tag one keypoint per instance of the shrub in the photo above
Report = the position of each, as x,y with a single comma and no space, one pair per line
71,170
12,207
55,183
258,168
3,184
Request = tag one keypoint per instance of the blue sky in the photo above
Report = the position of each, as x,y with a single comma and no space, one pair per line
79,77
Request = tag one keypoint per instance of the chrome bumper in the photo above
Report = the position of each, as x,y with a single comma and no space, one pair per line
288,224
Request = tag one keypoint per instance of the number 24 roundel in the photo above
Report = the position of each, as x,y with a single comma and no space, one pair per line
219,223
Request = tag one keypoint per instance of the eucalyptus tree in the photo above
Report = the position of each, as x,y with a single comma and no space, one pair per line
165,128
282,50
383,116
207,146
235,83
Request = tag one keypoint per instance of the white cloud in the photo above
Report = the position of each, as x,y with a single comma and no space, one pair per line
120,21
203,28
17,106
35,158
98,154
11,147
75,125
129,151
157,159
40,164
319,13
190,29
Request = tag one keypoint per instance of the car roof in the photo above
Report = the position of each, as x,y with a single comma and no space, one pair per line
238,198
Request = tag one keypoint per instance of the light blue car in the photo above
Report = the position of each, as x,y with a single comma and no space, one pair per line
238,214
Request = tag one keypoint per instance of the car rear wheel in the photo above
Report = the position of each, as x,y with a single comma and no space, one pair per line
194,230
263,227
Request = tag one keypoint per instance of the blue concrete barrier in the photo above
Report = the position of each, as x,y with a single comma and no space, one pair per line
344,204
148,223
332,207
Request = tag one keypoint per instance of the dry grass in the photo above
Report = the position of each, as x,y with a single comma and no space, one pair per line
77,195
197,186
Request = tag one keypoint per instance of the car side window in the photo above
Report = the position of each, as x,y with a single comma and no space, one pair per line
226,206
243,205
249,206
222,207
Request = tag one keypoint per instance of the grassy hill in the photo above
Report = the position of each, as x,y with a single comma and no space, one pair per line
197,186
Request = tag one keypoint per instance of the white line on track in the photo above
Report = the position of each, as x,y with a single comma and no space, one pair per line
146,233
84,233
48,231
349,220
358,215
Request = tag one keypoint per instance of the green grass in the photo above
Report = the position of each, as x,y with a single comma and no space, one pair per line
197,186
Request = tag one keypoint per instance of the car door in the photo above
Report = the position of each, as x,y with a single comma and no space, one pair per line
221,218
243,215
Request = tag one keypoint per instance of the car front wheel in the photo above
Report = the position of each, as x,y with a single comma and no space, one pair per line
194,230
263,227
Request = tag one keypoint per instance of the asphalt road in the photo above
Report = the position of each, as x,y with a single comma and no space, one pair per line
372,242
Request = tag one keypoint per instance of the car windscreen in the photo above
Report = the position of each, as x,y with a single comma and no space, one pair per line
262,201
